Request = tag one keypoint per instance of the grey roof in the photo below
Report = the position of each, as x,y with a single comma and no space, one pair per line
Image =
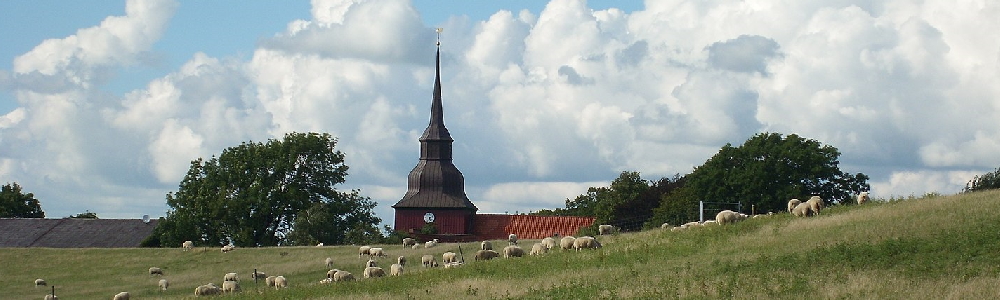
435,182
74,233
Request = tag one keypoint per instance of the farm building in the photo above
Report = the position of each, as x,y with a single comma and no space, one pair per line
74,233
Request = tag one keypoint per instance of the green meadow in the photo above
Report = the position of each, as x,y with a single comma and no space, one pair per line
934,247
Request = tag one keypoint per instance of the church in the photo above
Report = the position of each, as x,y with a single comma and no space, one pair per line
435,193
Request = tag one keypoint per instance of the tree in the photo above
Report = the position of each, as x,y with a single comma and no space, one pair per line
766,171
253,195
988,181
84,215
16,204
348,220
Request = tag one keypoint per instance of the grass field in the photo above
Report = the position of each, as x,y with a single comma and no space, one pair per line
943,247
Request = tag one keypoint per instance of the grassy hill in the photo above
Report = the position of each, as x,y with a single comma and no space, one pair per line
928,248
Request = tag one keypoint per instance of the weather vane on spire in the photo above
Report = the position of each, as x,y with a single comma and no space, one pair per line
439,29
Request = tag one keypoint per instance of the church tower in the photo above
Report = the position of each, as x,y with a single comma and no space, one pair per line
435,194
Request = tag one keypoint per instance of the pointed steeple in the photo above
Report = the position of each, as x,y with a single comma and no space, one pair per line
435,129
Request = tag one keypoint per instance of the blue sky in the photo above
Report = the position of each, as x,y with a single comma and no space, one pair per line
102,107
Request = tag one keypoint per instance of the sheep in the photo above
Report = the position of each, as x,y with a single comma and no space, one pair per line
512,239
586,242
187,245
342,276
728,216
566,243
326,280
319,245
415,246
40,282
121,296
605,229
376,252
373,272
396,269
428,261
708,222
678,228
363,250
329,262
512,251
163,284
666,225
51,297
538,249
409,242
486,254
803,210
486,245
816,203
269,281
452,265
862,198
431,243
227,248
207,290
258,275
401,260
549,243
280,282
230,286
155,271
231,277
449,257
691,224
371,263
792,204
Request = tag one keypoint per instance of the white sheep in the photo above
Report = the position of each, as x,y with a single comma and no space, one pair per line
373,272
678,228
512,239
486,245
415,246
428,261
280,282
269,281
207,290
377,252
258,275
816,203
431,243
512,251
230,286
163,284
793,203
40,282
449,257
409,242
862,198
566,243
342,276
396,269
486,254
227,248
155,271
363,250
538,249
231,277
121,296
728,216
187,245
586,242
51,297
401,260
691,224
802,210
605,229
319,245
329,262
326,280
371,263
452,265
549,243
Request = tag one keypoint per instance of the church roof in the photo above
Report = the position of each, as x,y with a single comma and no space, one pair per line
74,233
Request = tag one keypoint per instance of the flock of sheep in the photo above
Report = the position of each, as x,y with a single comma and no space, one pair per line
796,207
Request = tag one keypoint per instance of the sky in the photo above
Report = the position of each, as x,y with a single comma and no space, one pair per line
103,105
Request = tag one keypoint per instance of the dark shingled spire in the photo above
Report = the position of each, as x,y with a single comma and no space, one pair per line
435,182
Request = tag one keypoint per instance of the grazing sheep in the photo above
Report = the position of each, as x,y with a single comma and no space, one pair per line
231,277
409,242
792,204
40,282
373,272
486,245
803,210
728,216
227,248
342,276
586,242
512,251
452,265
207,290
155,271
862,198
363,250
280,282
121,296
396,269
329,262
691,224
319,245
486,254
566,243
376,252
163,284
401,260
816,203
231,286
187,245
449,257
605,229
431,244
269,281
538,249
549,243
512,239
428,261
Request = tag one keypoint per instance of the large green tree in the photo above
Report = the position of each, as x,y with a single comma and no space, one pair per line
253,194
987,181
16,204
